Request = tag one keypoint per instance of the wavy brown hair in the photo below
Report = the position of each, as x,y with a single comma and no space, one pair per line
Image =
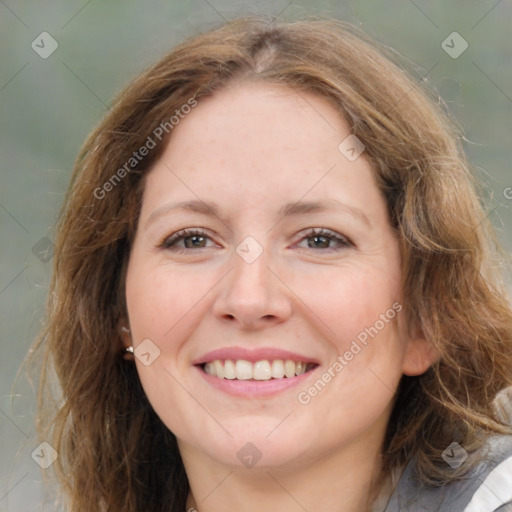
114,452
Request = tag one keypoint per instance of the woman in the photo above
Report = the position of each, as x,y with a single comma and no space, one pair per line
273,290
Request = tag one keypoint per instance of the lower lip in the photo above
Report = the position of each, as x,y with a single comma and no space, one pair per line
254,388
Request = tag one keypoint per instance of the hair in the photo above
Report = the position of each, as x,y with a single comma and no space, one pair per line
114,452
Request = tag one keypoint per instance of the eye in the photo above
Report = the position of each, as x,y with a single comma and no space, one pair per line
325,239
193,238
186,239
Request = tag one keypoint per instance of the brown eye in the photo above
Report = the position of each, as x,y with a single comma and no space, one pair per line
325,239
186,239
318,242
193,241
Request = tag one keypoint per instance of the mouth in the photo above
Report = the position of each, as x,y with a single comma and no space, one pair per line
263,370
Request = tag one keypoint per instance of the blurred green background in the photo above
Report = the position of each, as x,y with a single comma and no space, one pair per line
49,105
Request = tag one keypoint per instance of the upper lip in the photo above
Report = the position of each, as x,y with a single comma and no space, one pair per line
252,355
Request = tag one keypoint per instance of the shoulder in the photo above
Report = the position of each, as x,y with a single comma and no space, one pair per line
487,488
495,490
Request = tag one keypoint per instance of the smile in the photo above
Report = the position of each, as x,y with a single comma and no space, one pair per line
265,369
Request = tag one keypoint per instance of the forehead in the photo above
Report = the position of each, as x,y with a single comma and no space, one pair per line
275,119
258,144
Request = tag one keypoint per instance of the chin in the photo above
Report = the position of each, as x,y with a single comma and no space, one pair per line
255,442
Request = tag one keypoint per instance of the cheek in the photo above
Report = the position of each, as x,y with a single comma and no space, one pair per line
349,299
164,303
360,313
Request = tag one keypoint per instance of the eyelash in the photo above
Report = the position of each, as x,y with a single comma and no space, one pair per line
168,242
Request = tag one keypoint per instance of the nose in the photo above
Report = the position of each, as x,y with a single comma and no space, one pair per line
252,297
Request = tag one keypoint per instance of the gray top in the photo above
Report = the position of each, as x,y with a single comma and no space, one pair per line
487,488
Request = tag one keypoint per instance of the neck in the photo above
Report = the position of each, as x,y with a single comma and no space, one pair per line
345,481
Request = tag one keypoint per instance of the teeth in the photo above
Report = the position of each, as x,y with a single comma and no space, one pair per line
300,368
209,368
243,369
229,370
219,369
277,369
260,370
289,368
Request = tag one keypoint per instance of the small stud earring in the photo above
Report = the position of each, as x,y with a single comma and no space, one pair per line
127,354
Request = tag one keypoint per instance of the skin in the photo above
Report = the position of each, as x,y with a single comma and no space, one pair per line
251,148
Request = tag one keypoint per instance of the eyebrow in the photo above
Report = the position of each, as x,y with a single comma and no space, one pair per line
288,210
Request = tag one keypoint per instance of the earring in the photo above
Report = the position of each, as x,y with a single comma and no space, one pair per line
128,351
127,354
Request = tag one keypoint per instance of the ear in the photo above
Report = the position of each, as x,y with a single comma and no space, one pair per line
419,354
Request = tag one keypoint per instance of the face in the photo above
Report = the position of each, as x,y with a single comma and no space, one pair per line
263,287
